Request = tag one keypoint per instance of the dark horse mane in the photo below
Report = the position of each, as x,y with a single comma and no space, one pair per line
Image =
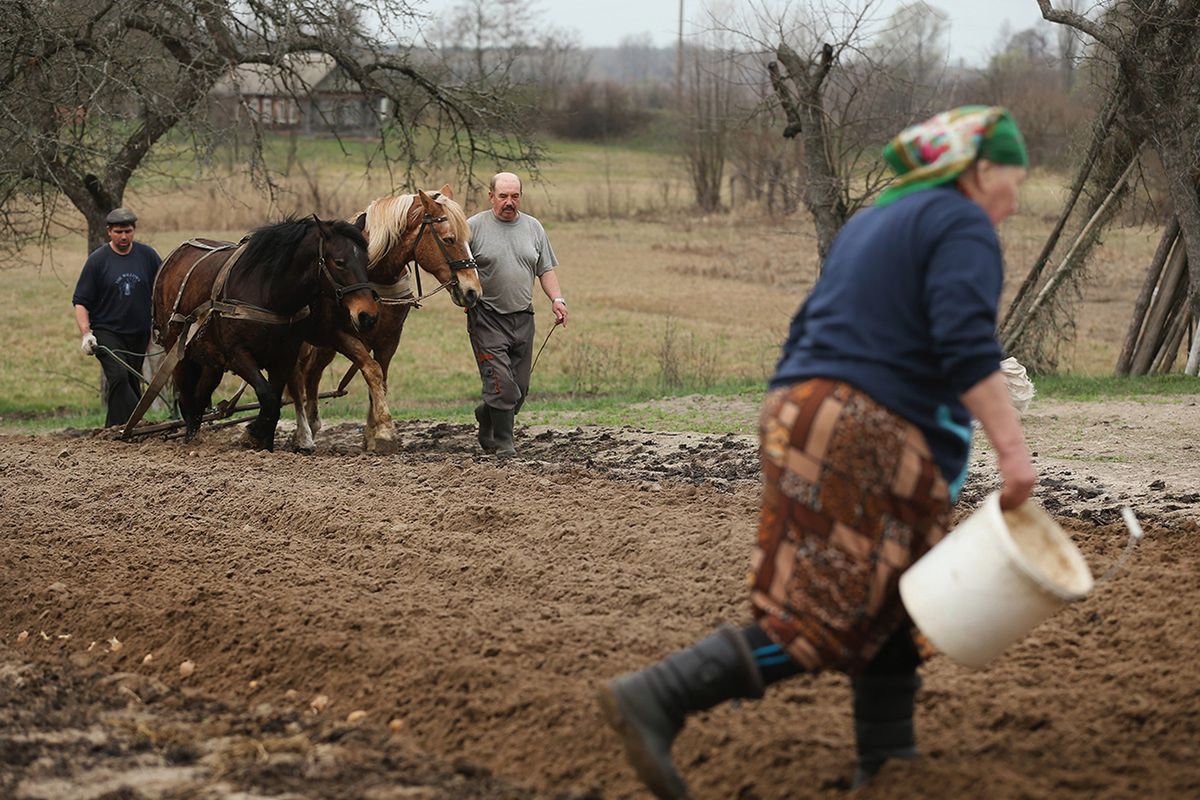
271,249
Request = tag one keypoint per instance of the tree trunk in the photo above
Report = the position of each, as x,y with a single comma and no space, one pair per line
1072,260
1160,309
824,188
1179,165
1170,349
1137,321
1101,133
1193,362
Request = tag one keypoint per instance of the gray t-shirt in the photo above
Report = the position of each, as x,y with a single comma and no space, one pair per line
510,255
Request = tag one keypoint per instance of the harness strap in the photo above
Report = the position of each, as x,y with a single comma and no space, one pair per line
218,287
175,315
232,308
237,309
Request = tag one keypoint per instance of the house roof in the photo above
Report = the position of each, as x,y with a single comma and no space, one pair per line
298,74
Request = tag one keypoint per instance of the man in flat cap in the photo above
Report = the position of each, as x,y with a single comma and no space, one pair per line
112,310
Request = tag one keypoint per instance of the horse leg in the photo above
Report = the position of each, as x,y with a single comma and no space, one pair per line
207,383
185,376
302,440
383,353
278,377
319,359
379,420
261,429
383,357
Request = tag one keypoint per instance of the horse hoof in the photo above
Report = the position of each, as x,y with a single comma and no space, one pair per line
381,446
252,442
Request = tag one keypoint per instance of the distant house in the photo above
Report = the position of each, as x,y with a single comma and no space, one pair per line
307,93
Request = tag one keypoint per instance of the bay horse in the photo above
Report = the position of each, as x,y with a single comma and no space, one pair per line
429,228
238,307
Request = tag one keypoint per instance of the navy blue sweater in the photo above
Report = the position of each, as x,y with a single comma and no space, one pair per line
115,289
905,310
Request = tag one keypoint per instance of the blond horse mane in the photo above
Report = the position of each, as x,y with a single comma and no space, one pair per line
388,220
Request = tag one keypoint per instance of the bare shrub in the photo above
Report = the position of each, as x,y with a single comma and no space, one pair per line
598,111
685,361
594,368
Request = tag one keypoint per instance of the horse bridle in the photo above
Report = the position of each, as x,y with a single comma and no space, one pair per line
339,291
455,264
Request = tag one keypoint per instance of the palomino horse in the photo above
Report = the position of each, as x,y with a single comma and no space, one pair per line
238,305
429,228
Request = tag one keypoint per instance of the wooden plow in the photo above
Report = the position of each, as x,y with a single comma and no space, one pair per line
220,417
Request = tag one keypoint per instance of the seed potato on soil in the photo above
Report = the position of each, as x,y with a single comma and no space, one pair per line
455,615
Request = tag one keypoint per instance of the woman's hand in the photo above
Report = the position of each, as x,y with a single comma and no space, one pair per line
1017,473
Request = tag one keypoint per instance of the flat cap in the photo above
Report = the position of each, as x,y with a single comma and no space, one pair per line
120,216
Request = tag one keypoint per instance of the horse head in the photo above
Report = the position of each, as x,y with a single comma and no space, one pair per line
342,260
443,246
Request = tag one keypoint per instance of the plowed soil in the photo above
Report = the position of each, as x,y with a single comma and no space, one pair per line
432,623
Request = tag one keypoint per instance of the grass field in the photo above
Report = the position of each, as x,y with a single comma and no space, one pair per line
663,302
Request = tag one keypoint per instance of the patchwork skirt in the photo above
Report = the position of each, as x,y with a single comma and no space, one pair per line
851,498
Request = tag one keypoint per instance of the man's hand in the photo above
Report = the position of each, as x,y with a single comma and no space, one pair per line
560,311
88,344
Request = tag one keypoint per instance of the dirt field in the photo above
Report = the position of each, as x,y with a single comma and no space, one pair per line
469,609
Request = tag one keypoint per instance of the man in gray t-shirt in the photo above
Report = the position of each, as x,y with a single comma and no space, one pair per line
511,249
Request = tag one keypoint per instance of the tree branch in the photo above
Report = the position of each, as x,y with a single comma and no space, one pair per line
1080,23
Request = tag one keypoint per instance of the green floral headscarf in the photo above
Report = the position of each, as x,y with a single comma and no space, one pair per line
937,151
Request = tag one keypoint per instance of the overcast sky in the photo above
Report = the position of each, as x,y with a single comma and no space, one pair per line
974,24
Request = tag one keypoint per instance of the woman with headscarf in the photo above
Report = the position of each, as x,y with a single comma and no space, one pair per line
865,439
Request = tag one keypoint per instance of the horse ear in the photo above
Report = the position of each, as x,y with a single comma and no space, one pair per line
446,191
361,221
323,227
427,201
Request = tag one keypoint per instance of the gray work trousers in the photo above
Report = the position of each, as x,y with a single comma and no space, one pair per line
503,345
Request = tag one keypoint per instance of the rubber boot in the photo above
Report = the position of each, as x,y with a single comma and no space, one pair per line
648,708
883,721
484,418
502,431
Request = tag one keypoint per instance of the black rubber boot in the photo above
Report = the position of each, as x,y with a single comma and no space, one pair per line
883,721
648,708
502,431
484,418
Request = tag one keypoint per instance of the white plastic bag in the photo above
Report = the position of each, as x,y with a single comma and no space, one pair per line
1020,388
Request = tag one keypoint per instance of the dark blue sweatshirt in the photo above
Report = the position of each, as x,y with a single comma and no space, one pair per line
115,288
905,310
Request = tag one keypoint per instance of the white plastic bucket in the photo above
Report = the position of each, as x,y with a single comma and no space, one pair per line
992,580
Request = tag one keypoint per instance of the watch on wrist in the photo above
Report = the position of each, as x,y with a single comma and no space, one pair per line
562,300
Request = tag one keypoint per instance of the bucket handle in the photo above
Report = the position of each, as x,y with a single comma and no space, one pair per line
1135,536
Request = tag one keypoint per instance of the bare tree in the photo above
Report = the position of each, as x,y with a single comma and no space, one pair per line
1069,46
89,88
637,55
1154,47
493,34
913,48
708,116
1025,76
836,101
